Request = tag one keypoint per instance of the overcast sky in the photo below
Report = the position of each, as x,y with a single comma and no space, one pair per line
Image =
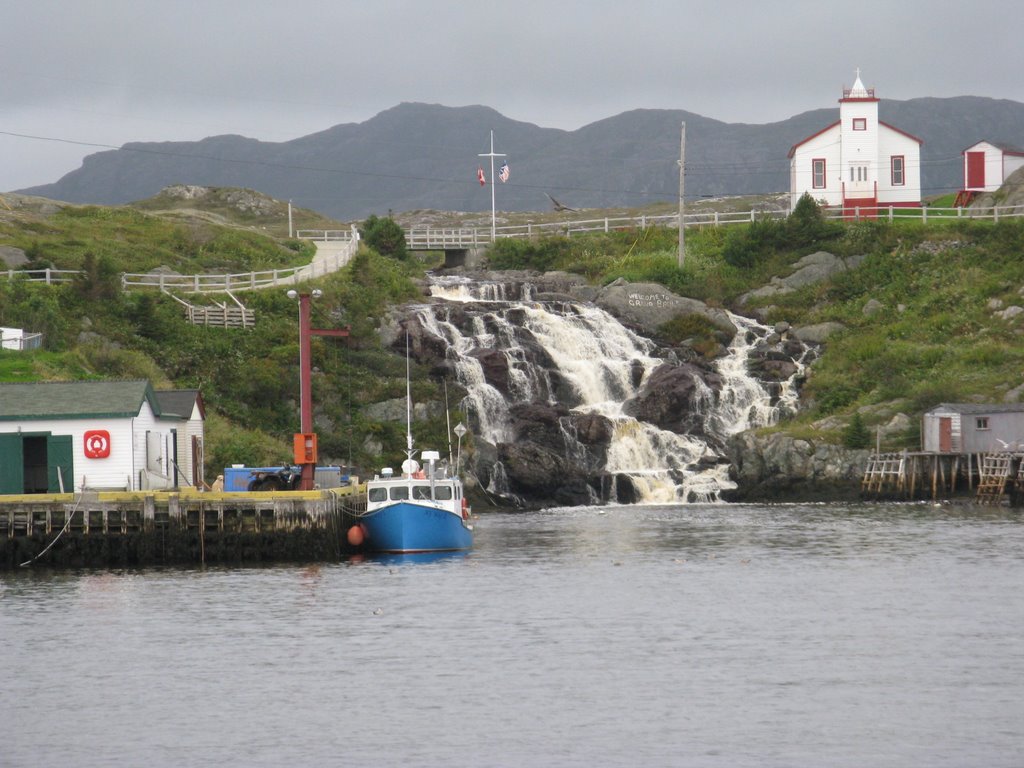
107,72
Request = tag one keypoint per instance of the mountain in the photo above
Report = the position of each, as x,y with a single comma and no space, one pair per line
415,156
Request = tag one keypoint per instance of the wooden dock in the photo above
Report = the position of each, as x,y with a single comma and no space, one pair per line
127,529
991,478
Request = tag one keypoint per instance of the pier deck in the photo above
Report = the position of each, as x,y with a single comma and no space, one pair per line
145,528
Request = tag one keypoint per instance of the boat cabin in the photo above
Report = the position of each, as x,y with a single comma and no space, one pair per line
432,484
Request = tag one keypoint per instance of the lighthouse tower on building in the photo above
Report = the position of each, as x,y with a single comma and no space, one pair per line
858,163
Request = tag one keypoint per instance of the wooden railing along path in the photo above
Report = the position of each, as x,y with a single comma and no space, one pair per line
336,247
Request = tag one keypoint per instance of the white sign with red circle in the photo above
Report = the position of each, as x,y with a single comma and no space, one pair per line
97,444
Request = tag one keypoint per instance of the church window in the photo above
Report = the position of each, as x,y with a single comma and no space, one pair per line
897,171
818,173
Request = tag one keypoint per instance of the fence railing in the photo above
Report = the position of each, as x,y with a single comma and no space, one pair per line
326,262
48,276
459,238
429,238
327,235
21,341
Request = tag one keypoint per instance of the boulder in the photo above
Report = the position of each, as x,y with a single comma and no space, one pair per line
818,333
648,306
12,257
813,268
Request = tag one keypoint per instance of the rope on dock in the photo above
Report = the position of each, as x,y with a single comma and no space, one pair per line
67,524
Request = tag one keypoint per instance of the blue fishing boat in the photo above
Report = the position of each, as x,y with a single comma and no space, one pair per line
422,510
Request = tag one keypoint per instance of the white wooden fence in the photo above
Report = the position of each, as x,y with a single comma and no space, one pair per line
330,259
454,238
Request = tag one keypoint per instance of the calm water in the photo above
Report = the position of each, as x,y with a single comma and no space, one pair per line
682,636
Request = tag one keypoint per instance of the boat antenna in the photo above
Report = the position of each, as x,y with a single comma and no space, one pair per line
448,421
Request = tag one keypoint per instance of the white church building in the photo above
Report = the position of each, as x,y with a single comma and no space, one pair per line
858,163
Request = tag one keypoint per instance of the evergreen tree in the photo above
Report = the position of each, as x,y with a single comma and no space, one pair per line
856,434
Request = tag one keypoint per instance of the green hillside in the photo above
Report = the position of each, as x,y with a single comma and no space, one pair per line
940,326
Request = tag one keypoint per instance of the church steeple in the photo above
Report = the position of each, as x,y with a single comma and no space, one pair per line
858,92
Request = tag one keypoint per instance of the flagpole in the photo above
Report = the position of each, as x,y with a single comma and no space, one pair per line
492,154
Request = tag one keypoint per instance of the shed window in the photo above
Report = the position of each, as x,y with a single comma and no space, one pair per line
982,422
860,123
818,173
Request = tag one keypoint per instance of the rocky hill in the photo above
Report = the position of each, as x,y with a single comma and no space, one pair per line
416,156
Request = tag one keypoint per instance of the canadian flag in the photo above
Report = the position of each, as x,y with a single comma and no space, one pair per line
480,176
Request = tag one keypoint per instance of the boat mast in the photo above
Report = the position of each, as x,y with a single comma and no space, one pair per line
408,402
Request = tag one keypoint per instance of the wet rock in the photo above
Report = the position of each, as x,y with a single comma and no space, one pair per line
671,398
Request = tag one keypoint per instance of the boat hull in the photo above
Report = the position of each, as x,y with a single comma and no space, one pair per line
405,527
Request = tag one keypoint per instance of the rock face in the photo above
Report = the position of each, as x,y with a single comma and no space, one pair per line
552,383
670,398
780,467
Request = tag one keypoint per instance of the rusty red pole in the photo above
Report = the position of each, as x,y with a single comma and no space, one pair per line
305,387
305,375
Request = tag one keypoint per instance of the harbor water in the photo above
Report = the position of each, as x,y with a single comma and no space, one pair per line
700,635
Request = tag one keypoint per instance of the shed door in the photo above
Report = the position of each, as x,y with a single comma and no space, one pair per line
60,455
12,461
975,170
945,434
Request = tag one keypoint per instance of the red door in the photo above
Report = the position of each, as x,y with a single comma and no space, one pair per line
945,434
975,170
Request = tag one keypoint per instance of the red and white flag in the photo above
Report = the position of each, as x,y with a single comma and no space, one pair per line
480,176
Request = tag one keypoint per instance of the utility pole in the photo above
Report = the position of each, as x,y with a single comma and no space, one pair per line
492,154
290,230
682,205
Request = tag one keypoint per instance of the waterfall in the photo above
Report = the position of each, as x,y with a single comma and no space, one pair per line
514,352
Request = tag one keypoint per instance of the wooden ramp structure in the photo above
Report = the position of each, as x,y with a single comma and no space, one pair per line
219,315
989,477
1001,474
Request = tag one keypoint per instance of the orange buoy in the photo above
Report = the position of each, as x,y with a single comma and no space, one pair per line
356,535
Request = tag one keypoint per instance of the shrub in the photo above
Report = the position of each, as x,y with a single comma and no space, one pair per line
385,236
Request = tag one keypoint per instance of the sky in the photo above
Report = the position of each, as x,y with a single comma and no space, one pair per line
78,78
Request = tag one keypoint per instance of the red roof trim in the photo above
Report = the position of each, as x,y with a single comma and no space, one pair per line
827,128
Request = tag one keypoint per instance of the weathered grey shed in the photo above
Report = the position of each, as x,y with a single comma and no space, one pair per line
973,428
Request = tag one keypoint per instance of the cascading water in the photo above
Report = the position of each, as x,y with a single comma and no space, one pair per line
511,351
